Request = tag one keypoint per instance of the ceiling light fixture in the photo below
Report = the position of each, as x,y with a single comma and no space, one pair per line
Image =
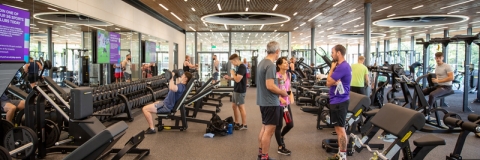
356,26
344,29
261,27
176,16
275,7
417,7
321,31
33,24
45,23
314,17
161,5
193,9
384,9
475,22
338,3
310,0
330,28
117,28
456,4
295,28
281,25
246,9
15,7
358,30
205,24
330,20
391,15
295,13
352,10
34,28
226,28
243,28
53,9
453,12
219,8
352,20
192,29
303,23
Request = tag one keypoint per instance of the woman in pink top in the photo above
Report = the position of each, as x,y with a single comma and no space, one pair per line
284,82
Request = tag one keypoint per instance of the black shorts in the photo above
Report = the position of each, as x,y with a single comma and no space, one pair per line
32,77
359,90
271,115
338,113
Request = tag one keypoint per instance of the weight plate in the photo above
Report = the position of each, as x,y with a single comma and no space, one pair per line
323,117
4,154
18,137
52,133
7,126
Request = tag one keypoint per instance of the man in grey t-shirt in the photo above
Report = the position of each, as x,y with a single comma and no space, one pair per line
444,78
267,89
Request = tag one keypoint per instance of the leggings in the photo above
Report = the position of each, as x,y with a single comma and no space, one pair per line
279,133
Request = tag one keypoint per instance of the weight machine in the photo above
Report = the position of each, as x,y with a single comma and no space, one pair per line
81,76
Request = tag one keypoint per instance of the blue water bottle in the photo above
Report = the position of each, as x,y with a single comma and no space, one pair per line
230,128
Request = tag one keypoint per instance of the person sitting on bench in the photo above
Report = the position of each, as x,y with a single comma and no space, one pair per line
165,106
10,106
444,74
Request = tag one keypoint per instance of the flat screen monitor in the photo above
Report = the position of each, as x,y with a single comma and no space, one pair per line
103,46
114,48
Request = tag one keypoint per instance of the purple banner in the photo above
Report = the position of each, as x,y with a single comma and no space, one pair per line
14,33
114,48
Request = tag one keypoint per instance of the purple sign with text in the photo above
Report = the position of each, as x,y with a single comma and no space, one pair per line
14,33
114,47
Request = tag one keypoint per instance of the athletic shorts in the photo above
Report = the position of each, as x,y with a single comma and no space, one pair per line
161,108
14,102
32,78
271,115
238,98
338,113
128,76
118,74
215,76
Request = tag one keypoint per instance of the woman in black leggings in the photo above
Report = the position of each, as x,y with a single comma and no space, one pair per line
284,82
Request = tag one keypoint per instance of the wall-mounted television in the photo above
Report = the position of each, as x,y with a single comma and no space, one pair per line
103,46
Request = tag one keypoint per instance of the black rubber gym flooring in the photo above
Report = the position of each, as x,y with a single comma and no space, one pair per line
304,140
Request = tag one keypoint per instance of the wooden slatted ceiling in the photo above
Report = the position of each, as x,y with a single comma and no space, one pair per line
306,10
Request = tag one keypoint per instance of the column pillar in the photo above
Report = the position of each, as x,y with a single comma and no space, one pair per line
312,48
367,30
445,46
50,48
412,48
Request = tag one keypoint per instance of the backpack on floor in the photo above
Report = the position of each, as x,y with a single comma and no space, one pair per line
218,126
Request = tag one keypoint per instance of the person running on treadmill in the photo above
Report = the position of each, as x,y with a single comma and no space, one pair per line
340,75
216,68
32,69
444,74
187,65
239,89
10,106
267,88
175,91
359,77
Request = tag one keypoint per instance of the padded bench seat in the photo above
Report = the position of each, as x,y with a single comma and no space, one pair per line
428,140
371,112
446,95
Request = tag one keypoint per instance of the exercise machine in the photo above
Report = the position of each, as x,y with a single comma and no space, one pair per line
467,128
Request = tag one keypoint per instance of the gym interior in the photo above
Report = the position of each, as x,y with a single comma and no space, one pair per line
83,72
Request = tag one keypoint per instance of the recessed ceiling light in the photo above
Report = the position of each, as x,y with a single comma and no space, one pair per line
45,23
295,28
53,9
246,9
176,16
15,7
161,5
205,24
219,8
456,4
261,27
295,13
356,26
281,25
275,7
225,26
321,31
352,20
117,28
417,7
330,28
344,29
303,24
193,9
338,3
314,17
210,30
34,28
310,0
352,10
384,9
33,24
391,15
453,12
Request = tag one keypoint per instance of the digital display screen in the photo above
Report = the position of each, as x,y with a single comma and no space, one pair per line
14,33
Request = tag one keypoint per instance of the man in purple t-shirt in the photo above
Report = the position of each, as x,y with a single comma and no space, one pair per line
340,73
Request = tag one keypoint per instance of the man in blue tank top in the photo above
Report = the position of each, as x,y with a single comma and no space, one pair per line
340,75
32,69
175,91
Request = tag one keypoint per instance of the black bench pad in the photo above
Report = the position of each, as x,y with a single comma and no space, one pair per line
428,140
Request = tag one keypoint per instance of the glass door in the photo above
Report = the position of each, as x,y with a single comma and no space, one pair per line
205,64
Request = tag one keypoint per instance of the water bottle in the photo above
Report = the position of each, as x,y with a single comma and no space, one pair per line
286,115
230,128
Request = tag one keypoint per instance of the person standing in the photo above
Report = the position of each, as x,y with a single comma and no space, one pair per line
187,65
285,79
269,103
444,78
239,89
291,68
338,80
127,68
118,72
359,77
248,70
32,69
216,69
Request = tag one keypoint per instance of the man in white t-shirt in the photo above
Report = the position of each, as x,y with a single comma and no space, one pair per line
444,78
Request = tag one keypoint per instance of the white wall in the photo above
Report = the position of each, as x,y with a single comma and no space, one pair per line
122,14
